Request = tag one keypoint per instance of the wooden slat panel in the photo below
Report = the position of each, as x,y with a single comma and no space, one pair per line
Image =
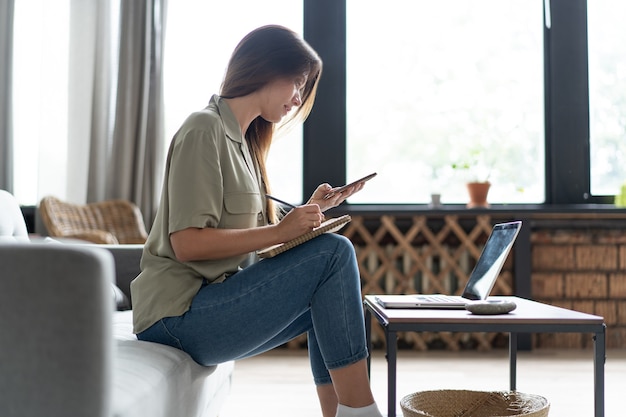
400,259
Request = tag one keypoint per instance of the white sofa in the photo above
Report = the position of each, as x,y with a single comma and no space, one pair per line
157,380
67,351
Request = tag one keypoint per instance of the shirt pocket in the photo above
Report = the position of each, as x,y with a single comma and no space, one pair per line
241,210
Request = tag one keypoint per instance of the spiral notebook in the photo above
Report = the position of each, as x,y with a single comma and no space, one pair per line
328,226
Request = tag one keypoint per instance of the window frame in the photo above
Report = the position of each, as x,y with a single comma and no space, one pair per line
566,95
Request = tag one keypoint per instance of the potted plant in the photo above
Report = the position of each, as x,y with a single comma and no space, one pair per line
477,178
478,192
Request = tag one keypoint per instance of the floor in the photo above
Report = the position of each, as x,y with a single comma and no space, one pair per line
278,383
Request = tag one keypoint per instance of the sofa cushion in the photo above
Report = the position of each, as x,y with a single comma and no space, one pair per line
12,223
151,379
119,298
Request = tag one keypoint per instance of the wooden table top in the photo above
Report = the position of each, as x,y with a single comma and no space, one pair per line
526,312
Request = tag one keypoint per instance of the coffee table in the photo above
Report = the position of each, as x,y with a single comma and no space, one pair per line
528,317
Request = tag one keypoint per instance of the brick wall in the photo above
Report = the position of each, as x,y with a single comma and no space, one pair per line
583,270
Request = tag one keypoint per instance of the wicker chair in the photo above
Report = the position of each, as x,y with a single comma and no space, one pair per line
107,222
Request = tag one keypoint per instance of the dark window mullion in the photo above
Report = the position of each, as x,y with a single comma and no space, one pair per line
567,104
324,134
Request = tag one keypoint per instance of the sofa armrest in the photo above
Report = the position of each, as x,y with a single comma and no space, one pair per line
56,321
127,258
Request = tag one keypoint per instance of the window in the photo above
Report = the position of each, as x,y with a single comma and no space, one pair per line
425,84
436,84
607,95
53,72
200,36
40,98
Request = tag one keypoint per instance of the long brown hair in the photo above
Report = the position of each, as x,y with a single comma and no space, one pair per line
265,55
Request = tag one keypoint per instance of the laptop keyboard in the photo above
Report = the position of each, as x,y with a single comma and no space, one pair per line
438,298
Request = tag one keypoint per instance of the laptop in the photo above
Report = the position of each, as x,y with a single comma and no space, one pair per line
481,280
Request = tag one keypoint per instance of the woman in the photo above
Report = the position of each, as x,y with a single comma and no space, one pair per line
201,288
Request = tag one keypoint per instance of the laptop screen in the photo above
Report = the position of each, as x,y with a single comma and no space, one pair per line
491,260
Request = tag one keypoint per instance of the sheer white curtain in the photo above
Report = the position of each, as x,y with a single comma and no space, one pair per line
91,70
88,118
127,127
40,99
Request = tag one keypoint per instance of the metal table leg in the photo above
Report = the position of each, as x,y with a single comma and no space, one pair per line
512,361
368,338
392,347
599,360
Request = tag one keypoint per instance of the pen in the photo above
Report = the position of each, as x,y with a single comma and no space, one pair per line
284,203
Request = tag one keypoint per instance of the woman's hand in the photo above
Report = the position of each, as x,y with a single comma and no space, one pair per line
210,243
298,221
327,203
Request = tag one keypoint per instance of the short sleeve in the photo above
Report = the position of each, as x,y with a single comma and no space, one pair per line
195,180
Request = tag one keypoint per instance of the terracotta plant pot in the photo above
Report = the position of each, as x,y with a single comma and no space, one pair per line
478,194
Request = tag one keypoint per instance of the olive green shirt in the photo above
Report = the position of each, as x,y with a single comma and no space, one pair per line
211,180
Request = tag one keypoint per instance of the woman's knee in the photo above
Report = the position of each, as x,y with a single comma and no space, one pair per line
343,259
338,244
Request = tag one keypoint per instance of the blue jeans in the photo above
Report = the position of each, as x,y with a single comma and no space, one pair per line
314,288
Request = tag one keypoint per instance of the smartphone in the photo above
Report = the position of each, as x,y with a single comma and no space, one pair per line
352,184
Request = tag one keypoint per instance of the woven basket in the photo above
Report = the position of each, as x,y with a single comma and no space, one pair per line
462,403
